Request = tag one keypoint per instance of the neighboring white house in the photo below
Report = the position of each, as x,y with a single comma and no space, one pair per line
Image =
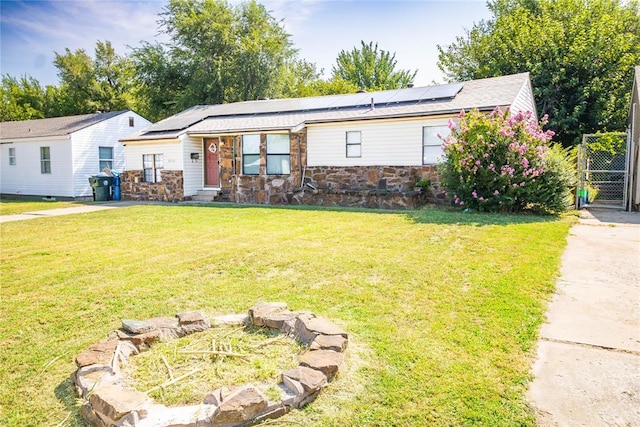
365,149
54,157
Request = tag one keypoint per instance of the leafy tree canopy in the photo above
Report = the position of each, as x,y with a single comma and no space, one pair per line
371,69
88,85
580,54
25,99
219,52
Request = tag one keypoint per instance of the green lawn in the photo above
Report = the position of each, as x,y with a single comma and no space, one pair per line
442,308
16,206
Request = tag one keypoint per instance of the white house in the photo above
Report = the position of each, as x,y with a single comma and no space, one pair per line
53,157
364,149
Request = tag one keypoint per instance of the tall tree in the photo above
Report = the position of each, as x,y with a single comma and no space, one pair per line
25,99
218,52
580,54
88,85
370,68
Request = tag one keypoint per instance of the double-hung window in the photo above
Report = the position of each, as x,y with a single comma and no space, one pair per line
278,154
432,143
105,155
12,156
152,165
45,160
354,144
250,154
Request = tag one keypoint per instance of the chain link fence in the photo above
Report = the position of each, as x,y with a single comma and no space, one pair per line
602,171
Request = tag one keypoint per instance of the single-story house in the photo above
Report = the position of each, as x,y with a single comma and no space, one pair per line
362,149
54,157
633,133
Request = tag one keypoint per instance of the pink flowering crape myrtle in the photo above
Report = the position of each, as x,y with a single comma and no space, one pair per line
499,162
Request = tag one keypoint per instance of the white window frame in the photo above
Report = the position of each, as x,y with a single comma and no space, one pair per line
246,155
12,156
278,160
108,161
152,166
432,144
353,144
45,160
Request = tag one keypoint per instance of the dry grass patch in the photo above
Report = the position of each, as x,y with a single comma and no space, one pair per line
221,356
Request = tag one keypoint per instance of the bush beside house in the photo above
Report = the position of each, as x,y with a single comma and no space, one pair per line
505,163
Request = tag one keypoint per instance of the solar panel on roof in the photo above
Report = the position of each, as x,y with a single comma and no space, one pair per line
189,117
443,91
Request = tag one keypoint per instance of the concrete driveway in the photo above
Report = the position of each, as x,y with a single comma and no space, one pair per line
587,372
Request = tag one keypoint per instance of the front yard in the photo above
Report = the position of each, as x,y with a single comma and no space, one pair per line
442,308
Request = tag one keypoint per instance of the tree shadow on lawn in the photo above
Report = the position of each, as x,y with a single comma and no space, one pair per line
431,215
66,394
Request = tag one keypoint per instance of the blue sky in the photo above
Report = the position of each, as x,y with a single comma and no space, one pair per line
31,31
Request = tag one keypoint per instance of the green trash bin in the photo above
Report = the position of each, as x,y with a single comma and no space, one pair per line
101,186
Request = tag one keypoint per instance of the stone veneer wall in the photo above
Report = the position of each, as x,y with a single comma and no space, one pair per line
262,188
170,189
386,187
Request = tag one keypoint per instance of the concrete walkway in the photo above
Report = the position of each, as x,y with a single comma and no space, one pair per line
65,211
588,368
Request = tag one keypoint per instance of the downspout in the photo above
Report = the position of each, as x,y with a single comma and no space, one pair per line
300,169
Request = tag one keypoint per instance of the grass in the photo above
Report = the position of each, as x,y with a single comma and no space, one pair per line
443,309
17,206
265,355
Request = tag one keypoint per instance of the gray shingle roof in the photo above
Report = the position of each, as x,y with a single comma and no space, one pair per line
55,126
267,115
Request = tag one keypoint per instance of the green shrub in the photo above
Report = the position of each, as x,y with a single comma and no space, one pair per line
505,163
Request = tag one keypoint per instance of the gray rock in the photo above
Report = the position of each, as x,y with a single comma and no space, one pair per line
168,327
277,320
231,319
93,418
310,379
217,396
116,402
325,327
261,309
143,339
188,317
175,416
92,377
274,410
243,405
326,361
137,326
329,342
97,354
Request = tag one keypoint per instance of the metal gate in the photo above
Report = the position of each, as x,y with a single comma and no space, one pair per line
602,171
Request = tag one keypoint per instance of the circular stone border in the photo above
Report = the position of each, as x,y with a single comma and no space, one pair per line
108,401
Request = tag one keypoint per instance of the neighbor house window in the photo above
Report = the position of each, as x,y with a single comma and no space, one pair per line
45,160
105,155
12,156
354,144
432,143
152,165
130,122
278,154
250,154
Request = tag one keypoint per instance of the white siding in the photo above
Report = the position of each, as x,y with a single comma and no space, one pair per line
171,150
392,142
193,170
26,178
103,134
524,101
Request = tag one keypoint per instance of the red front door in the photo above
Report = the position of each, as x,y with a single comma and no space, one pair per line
211,162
